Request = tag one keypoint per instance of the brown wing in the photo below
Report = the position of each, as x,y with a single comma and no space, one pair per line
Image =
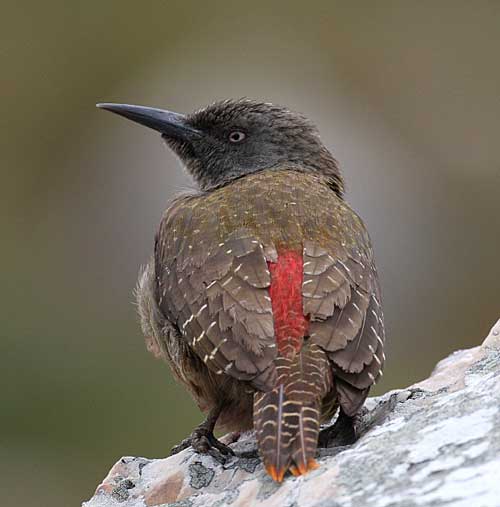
213,284
341,294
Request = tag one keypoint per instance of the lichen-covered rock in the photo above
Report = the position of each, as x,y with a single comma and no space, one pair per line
436,443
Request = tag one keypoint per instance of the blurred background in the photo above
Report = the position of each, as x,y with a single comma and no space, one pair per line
406,95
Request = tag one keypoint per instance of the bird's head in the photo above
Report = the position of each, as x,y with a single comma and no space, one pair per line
234,138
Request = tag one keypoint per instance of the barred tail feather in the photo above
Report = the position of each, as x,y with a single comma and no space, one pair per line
287,418
273,435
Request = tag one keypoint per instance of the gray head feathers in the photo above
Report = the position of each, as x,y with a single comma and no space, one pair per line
240,137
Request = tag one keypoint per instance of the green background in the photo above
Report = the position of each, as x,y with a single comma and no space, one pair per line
406,94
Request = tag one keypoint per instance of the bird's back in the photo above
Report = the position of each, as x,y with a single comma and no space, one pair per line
280,207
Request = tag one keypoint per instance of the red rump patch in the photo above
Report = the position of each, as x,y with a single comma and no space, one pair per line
290,324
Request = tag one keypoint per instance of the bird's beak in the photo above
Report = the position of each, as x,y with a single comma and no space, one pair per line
171,125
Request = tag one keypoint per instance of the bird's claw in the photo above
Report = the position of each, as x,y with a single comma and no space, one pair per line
202,441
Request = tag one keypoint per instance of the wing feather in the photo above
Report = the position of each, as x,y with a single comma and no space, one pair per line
216,291
341,295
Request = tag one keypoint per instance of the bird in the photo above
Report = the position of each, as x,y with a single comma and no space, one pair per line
262,292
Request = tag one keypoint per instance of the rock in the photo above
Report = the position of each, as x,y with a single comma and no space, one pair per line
435,443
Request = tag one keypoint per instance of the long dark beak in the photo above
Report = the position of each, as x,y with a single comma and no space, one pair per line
171,125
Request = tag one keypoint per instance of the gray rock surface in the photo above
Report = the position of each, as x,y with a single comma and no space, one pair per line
436,443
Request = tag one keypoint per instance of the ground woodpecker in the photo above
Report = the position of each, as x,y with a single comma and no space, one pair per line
262,293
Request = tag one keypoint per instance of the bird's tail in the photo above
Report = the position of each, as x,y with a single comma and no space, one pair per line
287,418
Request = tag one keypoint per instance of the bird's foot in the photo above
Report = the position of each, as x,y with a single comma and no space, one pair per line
203,441
341,433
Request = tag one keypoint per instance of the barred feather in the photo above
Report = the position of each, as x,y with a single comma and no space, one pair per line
287,418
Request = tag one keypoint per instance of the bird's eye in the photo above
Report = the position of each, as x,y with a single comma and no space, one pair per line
236,136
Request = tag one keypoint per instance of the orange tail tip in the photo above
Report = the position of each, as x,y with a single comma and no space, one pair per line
295,470
302,468
312,464
277,475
